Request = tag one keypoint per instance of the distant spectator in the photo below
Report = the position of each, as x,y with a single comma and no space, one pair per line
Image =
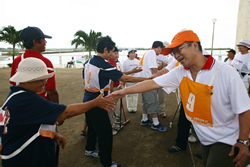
242,61
71,62
230,56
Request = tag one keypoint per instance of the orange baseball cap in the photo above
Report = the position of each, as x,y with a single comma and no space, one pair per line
179,39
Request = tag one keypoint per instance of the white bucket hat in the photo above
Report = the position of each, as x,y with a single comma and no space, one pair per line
244,42
31,69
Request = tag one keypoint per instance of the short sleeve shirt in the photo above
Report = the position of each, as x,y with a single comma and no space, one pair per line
27,112
172,65
229,98
149,61
107,72
129,65
245,59
161,59
51,83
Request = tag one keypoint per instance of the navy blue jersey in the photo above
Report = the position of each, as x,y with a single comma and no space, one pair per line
27,112
104,76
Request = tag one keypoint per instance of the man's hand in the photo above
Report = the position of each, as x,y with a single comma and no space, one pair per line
60,140
104,103
60,123
136,69
116,95
240,159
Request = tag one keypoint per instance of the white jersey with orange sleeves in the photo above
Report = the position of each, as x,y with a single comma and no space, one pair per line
92,78
147,62
229,99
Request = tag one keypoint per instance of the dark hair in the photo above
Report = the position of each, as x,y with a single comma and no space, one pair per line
105,42
156,44
116,49
199,44
29,44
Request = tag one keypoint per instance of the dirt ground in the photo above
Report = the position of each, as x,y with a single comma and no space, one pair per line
133,146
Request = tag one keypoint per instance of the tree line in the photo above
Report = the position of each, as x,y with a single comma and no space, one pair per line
89,41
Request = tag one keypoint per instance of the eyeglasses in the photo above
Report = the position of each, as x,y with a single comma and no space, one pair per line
44,80
178,50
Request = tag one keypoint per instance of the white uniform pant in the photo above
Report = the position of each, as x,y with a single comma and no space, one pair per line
131,99
161,100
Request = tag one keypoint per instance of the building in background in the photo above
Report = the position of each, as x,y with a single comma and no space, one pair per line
243,22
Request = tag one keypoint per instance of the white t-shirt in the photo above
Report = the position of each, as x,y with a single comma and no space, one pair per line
229,61
129,65
149,61
229,98
172,65
161,59
242,63
170,59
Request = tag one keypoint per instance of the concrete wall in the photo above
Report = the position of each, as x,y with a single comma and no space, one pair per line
243,22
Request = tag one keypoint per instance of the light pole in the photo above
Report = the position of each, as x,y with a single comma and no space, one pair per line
214,20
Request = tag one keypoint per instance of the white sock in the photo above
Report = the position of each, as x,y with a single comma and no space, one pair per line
144,117
155,121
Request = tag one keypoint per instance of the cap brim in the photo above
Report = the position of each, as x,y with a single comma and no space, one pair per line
168,49
47,36
132,51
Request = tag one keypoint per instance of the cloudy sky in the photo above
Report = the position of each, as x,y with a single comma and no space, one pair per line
130,23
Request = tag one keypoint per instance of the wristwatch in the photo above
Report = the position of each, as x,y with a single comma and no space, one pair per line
245,142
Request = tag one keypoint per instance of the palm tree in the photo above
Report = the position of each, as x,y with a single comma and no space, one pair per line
89,41
11,36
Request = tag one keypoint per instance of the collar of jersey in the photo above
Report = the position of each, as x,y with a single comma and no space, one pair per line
208,64
111,61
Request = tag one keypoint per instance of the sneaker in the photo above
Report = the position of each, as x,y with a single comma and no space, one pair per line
117,121
192,138
130,111
117,127
148,122
114,131
114,165
116,116
92,153
159,127
174,149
